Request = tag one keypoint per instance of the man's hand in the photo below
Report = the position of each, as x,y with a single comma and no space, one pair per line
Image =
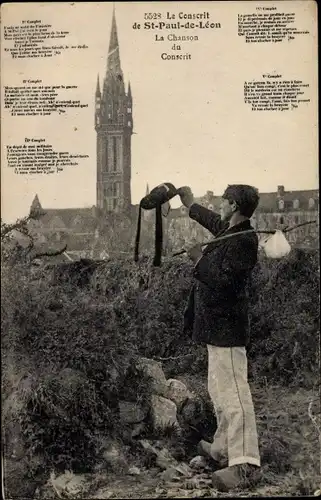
195,252
186,196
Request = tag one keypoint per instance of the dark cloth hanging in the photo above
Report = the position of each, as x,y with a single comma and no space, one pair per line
154,200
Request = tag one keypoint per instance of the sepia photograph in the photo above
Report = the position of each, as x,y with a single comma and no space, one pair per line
160,266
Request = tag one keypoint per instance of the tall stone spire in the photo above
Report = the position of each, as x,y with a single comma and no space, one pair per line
98,94
114,74
113,43
114,127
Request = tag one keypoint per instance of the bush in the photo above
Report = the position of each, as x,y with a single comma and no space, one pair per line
75,331
285,319
70,344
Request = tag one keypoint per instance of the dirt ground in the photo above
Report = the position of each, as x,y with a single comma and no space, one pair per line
290,451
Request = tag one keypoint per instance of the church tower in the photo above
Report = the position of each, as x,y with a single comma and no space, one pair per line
114,127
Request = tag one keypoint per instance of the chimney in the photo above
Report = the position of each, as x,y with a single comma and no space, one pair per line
280,191
209,195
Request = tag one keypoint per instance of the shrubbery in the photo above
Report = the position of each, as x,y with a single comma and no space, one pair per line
71,334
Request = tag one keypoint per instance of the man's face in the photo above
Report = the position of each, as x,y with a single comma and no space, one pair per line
226,209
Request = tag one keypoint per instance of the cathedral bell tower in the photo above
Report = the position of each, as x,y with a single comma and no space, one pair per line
114,127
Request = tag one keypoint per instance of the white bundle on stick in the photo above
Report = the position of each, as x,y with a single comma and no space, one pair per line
276,246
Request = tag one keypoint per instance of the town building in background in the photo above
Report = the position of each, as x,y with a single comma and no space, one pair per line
109,227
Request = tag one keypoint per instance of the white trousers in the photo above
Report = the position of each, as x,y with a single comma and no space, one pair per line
236,435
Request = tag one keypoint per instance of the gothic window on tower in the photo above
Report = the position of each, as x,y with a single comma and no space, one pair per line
109,204
129,110
115,190
108,190
107,156
121,118
115,154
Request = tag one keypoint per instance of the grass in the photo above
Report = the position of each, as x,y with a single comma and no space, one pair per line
290,443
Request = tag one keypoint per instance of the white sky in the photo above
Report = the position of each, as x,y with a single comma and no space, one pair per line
191,124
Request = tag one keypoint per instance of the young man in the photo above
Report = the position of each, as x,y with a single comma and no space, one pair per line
217,315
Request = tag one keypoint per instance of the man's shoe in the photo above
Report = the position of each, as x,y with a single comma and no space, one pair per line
237,476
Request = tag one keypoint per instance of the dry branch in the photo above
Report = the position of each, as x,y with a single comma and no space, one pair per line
50,253
270,231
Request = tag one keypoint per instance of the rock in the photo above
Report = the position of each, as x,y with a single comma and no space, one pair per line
114,456
176,472
159,491
103,493
138,429
198,463
197,420
164,412
68,484
170,474
164,459
153,369
148,447
178,392
184,469
134,471
131,413
192,411
150,454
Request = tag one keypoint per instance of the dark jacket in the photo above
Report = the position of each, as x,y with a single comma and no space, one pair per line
217,310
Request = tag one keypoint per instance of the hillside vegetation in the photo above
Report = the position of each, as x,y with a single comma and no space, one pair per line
72,333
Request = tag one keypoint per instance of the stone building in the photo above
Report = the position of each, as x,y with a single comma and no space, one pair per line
109,227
